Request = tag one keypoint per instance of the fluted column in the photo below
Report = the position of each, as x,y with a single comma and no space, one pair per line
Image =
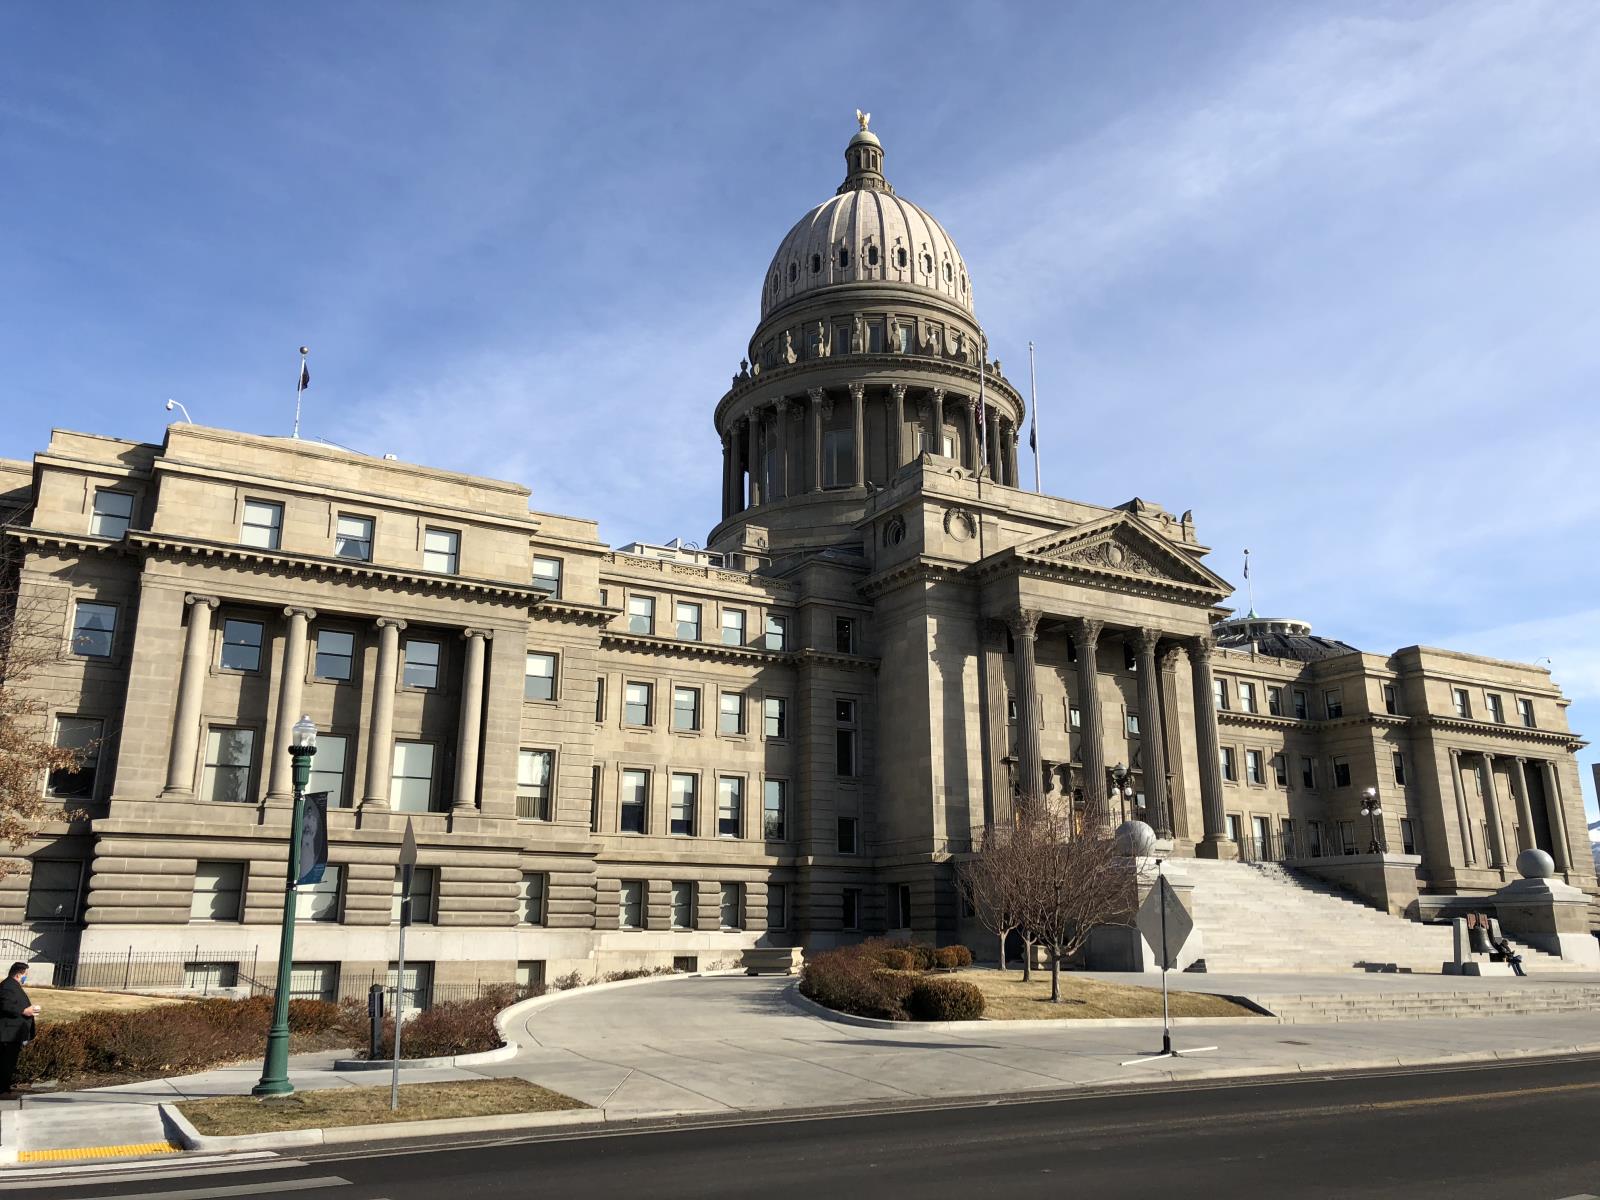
971,455
1024,623
1215,842
858,437
291,690
1526,838
754,457
818,399
471,721
1086,637
727,474
1172,742
898,415
1491,810
1558,815
780,473
936,441
380,735
1152,751
993,448
191,691
1469,853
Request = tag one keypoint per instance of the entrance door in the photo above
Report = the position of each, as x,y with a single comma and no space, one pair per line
1262,828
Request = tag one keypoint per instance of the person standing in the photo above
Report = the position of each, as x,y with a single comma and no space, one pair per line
16,1025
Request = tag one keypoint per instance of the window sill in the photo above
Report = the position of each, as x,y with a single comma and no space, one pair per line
547,700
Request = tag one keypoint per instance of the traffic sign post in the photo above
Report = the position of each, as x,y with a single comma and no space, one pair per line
1165,923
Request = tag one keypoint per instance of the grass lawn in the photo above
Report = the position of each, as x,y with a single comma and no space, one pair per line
67,1004
330,1108
1007,998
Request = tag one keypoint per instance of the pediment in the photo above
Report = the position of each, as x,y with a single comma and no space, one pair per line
1119,545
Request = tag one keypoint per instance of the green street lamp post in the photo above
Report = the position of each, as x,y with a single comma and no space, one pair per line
275,1070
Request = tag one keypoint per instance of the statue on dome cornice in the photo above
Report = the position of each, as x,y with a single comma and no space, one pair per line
955,343
927,336
824,341
744,371
858,334
786,349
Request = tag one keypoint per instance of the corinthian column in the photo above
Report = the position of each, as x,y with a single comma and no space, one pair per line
971,455
1024,623
727,474
380,736
898,415
936,439
191,689
1519,792
1215,843
818,399
1491,809
993,447
1558,814
754,421
1469,854
471,721
858,439
291,690
1152,751
780,466
1086,637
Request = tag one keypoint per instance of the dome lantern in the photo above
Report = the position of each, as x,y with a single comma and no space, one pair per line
863,161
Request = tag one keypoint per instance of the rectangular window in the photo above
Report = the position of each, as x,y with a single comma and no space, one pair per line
1347,836
82,734
732,904
352,537
849,841
850,916
630,912
1497,712
844,745
530,974
113,513
218,891
1219,693
777,632
1133,724
1525,712
1230,770
636,704
1341,772
263,524
229,753
1253,767
1391,699
902,906
684,800
688,618
730,712
547,576
599,698
774,810
1247,697
634,801
733,627
411,783
641,614
534,769
94,629
1280,770
1463,704
421,664
441,551
777,906
838,466
314,981
682,905
775,717
54,889
539,677
241,646
415,990
1275,700
1308,773
594,798
1399,761
1408,836
730,807
422,893
1302,707
685,709
335,658
319,901
1074,717
530,900
1333,702
844,635
207,977
328,768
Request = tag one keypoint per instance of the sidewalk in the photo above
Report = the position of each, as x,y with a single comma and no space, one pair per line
731,1044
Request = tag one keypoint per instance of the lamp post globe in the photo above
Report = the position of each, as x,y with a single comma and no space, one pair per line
1372,810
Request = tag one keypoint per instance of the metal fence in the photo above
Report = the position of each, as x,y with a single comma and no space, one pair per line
200,972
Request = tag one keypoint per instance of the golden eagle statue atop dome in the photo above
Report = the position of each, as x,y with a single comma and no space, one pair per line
863,119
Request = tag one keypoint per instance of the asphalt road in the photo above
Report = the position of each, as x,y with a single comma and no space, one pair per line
1526,1131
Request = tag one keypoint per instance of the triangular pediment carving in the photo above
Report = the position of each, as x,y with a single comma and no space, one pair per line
1119,545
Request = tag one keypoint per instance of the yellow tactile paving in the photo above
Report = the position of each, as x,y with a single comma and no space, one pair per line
131,1148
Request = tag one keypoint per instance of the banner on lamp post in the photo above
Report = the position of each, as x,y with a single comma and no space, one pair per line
313,839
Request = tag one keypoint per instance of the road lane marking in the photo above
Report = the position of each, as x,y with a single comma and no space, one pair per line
242,1189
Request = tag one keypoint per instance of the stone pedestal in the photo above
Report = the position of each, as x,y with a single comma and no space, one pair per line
1549,915
1124,948
1388,881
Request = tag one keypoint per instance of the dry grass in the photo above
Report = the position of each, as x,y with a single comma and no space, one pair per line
331,1108
68,1004
1007,998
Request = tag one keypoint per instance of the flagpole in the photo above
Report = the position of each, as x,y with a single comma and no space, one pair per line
1250,587
1033,404
983,413
299,389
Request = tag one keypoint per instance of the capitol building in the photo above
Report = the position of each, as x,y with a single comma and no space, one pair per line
652,756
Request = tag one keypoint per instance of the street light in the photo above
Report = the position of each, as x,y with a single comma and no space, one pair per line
1372,810
1123,787
275,1070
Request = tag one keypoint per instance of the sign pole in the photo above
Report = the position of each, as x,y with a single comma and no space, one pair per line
408,862
1166,964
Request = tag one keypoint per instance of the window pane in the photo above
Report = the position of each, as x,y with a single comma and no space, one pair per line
94,627
439,551
688,621
635,790
353,538
53,890
336,651
82,734
730,906
686,709
641,614
547,575
539,680
262,524
411,785
533,784
777,906
531,901
730,713
777,633
241,645
631,912
319,901
112,513
733,627
328,767
730,807
773,810
683,906
684,798
422,879
228,757
422,665
217,886
636,704
775,716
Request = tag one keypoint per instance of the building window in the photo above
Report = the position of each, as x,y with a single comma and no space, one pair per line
1497,712
630,913
113,513
422,893
54,889
733,627
1253,768
1333,702
335,658
241,646
730,807
850,916
547,576
844,742
319,901
530,974
1408,836
1133,724
683,905
777,632
421,664
849,835
775,717
636,704
732,903
1074,717
263,524
1525,712
1302,707
1280,770
1275,700
730,712
688,618
352,538
411,782
635,801
684,795
777,906
1391,699
415,990
218,891
207,977
328,768
844,635
1308,773
1219,691
594,798
1399,761
774,810
1463,703
84,735
314,981
94,629
441,551
1341,772
641,614
228,757
685,709
902,906
1247,697
534,769
599,698
539,677
530,901
1230,771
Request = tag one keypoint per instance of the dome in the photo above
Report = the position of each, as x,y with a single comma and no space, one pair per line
866,234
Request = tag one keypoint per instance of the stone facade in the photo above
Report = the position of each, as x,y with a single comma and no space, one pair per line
622,759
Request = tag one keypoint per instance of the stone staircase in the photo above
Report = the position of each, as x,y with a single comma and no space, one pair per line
1262,917
1389,1005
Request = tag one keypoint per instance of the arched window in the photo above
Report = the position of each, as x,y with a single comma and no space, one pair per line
900,257
816,263
844,258
927,264
872,256
963,283
947,273
794,272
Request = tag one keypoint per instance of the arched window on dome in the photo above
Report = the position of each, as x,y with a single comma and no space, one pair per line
900,257
963,283
948,274
816,263
794,272
927,264
844,258
872,256
774,288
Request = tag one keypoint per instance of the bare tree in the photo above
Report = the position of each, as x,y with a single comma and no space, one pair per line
987,883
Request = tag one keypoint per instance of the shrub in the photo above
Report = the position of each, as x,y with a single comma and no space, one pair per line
944,1000
565,983
952,957
922,956
852,979
312,1016
895,959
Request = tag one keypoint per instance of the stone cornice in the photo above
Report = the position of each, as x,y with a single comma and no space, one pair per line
65,541
1010,563
577,614
908,571
719,652
712,575
873,370
1515,733
1390,721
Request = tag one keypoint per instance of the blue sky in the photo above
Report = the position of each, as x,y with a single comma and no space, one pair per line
1327,275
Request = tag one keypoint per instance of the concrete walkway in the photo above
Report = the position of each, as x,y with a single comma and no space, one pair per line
722,1044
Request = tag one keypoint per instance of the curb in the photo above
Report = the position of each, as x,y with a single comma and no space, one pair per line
185,1134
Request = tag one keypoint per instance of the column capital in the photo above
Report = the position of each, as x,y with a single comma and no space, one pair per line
471,632
209,601
993,631
389,622
296,610
1023,622
1522,759
818,395
938,394
1200,649
1168,657
857,391
1086,630
780,406
1147,640
898,390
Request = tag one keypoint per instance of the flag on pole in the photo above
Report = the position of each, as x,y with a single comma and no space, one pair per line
305,375
1247,564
